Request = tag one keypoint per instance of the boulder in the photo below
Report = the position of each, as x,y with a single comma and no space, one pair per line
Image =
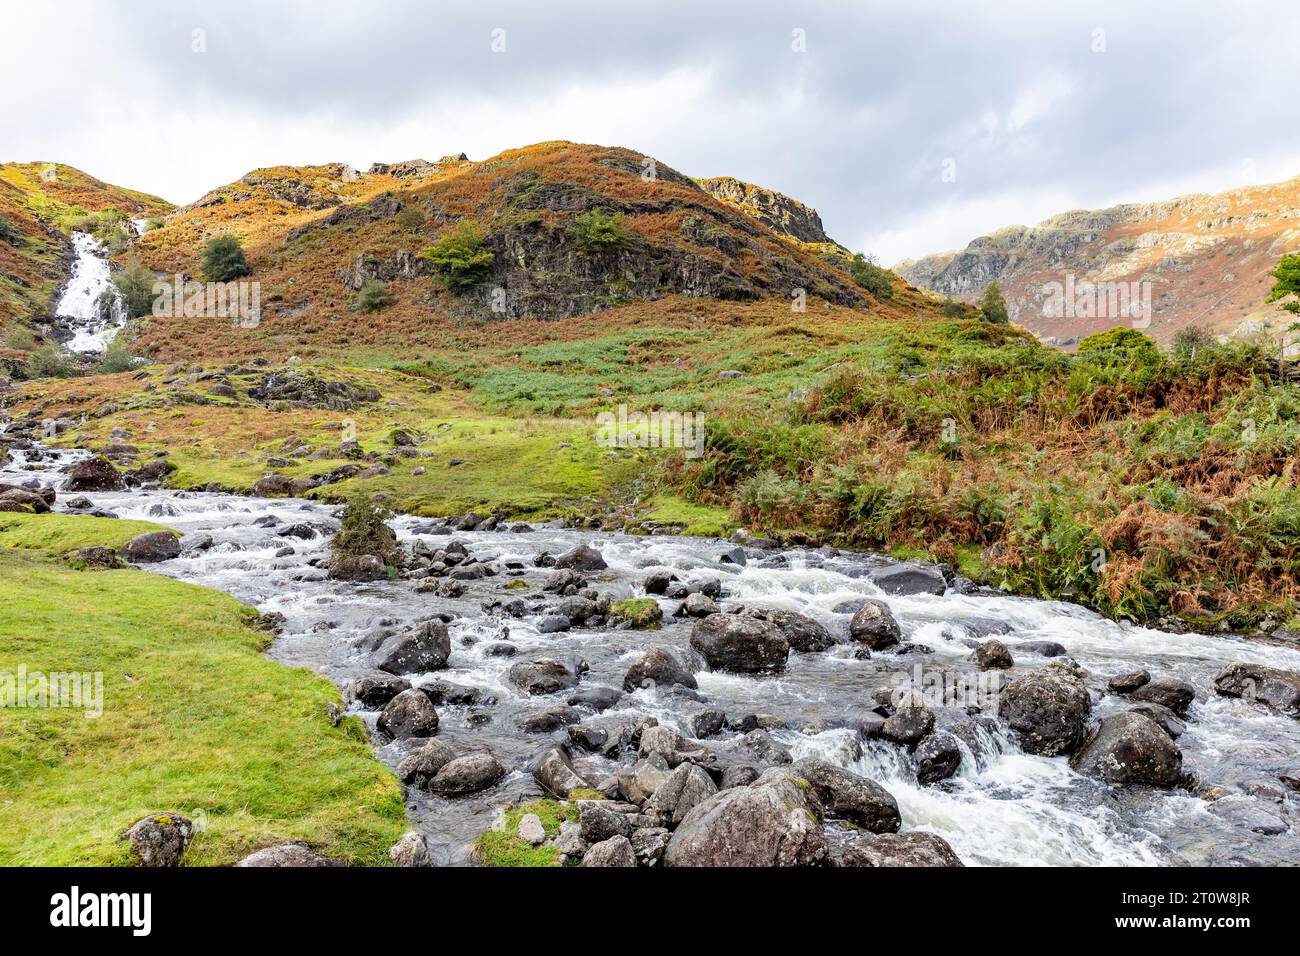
937,757
649,844
993,655
1269,686
846,795
698,604
873,624
735,642
542,676
409,714
362,567
656,582
684,789
581,558
657,668
554,772
272,486
420,766
160,839
910,577
1048,709
288,854
100,557
94,474
530,829
373,691
423,648
152,547
772,822
411,850
548,720
1129,748
616,851
1169,692
910,723
801,632
673,747
912,849
1128,682
597,822
468,774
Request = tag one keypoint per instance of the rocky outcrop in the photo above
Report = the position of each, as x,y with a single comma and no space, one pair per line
783,215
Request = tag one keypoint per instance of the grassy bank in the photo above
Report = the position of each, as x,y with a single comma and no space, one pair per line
195,720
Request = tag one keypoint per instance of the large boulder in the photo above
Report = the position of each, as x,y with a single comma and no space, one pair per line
468,774
272,486
94,474
361,567
423,648
160,839
616,851
772,822
910,577
409,714
735,642
373,691
938,757
911,849
151,547
801,632
850,797
422,765
542,676
1129,748
1048,708
1270,686
581,558
873,624
910,722
993,655
657,668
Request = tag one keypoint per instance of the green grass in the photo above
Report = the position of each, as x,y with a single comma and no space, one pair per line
504,847
706,521
60,534
195,721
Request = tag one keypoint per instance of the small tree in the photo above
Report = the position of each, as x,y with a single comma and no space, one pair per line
9,232
461,257
596,231
866,273
1287,274
372,297
362,531
993,307
135,283
223,259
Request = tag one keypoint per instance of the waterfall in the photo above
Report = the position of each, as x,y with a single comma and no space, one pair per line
93,322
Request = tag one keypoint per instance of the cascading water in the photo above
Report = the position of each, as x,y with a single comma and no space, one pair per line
93,317
1004,807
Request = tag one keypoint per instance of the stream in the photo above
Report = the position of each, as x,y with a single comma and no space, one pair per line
1004,807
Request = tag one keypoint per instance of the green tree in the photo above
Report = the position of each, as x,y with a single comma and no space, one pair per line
9,232
1287,274
135,283
223,259
460,258
993,307
597,231
868,274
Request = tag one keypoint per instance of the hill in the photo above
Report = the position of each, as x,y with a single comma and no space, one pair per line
1206,257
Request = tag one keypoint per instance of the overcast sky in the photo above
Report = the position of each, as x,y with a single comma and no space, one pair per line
911,126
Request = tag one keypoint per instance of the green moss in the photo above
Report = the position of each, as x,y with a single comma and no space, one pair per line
504,848
644,614
705,521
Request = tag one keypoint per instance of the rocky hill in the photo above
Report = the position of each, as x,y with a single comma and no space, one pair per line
783,215
316,235
38,203
1205,260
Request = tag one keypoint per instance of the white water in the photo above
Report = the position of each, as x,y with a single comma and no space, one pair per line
1004,807
92,327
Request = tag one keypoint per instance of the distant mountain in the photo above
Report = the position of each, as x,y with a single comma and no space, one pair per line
1196,260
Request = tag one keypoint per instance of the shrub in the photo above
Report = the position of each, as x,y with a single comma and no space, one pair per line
993,307
362,531
953,308
460,257
135,284
49,362
879,282
118,357
1287,274
152,223
597,231
223,259
410,218
9,232
1119,345
372,297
